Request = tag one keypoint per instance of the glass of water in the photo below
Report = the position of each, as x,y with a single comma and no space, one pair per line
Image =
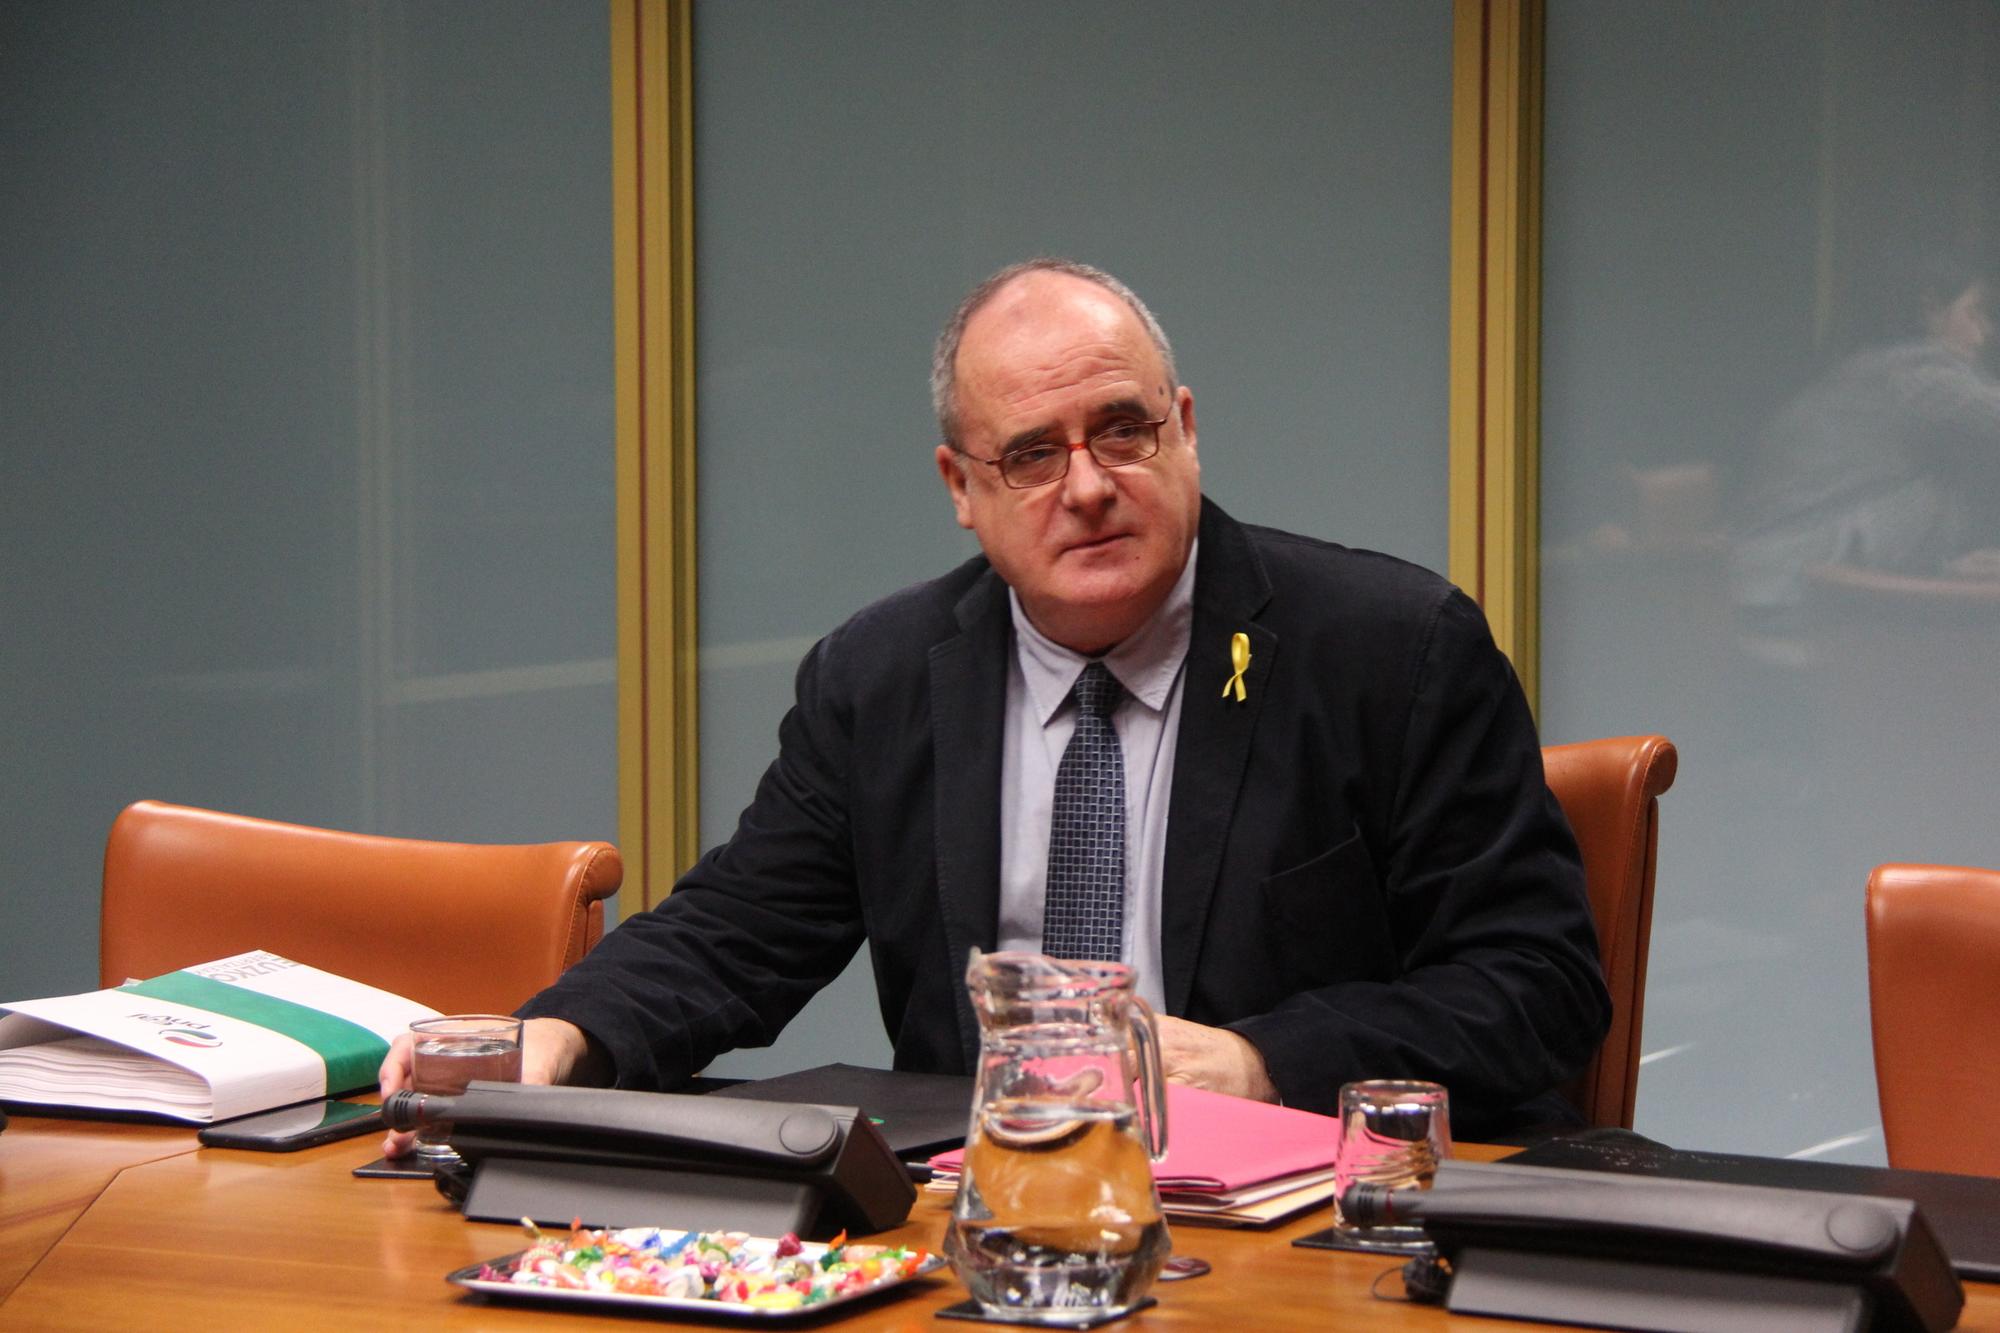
450,1052
1393,1132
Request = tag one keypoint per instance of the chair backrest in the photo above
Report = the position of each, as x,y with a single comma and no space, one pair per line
460,927
1934,1011
1610,790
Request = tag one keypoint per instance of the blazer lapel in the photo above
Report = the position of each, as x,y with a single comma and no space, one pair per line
1213,746
968,706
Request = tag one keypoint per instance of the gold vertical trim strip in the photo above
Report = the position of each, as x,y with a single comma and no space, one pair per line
653,254
1495,408
1826,203
1468,216
683,759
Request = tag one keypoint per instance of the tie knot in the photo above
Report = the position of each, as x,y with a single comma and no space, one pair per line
1097,691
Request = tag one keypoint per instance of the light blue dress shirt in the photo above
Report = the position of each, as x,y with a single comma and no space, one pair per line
1151,665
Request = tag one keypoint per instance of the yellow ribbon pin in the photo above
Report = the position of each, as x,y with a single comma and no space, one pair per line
1239,657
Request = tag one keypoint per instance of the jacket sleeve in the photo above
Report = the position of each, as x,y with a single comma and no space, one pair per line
1496,990
748,935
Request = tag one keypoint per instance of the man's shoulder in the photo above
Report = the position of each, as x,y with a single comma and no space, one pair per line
914,617
1321,577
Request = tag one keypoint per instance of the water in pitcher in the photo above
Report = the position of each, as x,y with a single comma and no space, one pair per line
1056,1220
1061,1212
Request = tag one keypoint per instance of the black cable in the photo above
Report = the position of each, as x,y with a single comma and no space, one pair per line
1427,1279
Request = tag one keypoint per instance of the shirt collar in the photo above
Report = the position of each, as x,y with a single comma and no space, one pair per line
1145,663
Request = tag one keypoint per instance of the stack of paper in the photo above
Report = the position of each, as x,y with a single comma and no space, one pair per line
1229,1162
212,1042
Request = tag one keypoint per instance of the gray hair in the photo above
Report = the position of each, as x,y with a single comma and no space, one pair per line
944,361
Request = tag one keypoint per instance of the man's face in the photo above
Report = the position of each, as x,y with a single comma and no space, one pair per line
1055,359
1966,325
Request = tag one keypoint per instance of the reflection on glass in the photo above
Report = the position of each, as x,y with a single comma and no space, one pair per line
307,467
1889,462
1771,497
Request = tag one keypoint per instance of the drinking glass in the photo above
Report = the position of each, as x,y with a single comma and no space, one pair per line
1393,1132
450,1052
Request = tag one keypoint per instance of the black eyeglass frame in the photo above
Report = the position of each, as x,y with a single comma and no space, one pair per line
1069,449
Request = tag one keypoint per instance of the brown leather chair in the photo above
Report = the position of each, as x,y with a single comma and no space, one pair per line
1610,790
460,927
1934,1008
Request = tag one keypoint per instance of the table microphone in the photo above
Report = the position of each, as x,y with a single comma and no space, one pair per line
1573,1247
1844,1230
778,1134
616,1157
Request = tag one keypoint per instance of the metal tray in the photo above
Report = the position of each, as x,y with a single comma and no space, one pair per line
673,1307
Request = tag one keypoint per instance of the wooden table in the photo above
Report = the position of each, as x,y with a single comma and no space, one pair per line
122,1226
51,1171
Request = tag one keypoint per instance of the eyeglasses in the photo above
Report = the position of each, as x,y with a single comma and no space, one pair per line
1121,445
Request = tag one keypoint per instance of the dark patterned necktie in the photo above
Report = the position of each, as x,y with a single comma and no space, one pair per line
1084,914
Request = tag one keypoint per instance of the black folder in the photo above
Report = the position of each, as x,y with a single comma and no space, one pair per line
1963,1211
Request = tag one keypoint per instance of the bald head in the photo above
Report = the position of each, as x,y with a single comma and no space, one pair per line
944,361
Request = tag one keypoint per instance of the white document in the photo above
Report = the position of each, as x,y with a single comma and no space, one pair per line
124,1050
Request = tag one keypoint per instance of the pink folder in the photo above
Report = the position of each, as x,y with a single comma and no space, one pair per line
1217,1144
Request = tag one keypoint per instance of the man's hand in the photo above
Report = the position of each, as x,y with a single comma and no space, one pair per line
1213,1058
552,1051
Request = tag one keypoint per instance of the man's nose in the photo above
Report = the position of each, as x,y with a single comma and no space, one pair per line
1087,482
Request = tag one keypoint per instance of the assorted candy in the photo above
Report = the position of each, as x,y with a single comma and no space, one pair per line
726,1266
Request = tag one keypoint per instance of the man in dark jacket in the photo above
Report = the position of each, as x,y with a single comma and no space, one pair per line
1332,852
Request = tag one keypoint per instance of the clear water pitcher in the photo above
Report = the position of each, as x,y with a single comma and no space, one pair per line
1057,1220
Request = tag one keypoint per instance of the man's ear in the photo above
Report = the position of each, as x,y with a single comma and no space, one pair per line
1184,406
952,469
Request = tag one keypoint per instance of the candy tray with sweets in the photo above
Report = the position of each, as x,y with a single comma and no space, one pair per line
711,1273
